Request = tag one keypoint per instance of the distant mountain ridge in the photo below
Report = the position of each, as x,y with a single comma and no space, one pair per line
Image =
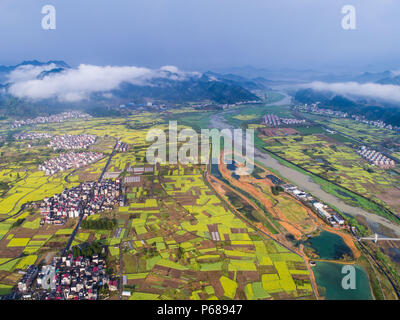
373,77
191,89
36,63
5,70
168,87
258,83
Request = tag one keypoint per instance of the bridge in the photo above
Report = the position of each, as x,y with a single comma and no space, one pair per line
376,238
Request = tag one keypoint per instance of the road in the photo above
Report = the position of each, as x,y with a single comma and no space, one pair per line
121,279
82,208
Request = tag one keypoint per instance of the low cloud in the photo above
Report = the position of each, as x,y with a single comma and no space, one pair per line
28,72
73,85
385,92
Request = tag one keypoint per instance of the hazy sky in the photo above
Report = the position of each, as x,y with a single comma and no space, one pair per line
204,34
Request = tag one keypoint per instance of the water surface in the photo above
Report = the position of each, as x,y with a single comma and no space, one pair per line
329,246
329,276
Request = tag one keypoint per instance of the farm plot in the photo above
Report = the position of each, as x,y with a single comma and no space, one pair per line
187,244
340,164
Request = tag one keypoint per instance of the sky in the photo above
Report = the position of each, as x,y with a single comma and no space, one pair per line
204,34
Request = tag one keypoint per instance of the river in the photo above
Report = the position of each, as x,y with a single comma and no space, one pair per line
304,181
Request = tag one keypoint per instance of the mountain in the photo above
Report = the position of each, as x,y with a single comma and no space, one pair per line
372,110
5,70
372,77
35,63
285,76
394,80
250,84
385,77
168,86
192,89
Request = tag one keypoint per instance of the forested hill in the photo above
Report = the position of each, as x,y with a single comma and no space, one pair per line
386,112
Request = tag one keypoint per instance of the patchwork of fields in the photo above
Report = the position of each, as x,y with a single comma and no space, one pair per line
173,239
186,242
338,163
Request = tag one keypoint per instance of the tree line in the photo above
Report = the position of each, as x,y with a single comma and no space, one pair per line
100,224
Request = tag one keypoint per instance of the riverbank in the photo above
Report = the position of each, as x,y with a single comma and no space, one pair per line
304,181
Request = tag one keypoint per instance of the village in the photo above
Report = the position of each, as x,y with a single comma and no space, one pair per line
68,278
69,160
87,199
376,158
314,109
275,121
32,136
72,142
57,118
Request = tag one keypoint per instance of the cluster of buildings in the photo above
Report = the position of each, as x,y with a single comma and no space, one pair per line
313,108
51,119
142,106
375,123
72,142
224,106
121,146
324,211
140,170
249,102
75,278
273,120
32,136
213,106
69,160
27,279
376,158
67,278
87,199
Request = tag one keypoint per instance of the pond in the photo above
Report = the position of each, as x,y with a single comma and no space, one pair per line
329,246
329,276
